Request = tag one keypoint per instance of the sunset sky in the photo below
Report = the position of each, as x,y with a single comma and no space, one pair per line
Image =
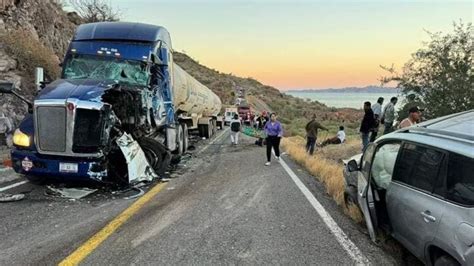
299,44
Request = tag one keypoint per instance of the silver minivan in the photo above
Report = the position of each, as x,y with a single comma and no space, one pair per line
417,184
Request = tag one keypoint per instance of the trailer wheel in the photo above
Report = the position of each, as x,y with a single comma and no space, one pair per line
155,154
214,126
185,137
179,138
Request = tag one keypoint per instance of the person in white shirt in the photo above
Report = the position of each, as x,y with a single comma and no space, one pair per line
235,128
338,139
414,116
377,109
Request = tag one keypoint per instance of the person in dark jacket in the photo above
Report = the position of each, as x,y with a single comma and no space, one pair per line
367,125
312,134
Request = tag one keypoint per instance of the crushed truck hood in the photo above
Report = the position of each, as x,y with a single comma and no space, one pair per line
83,89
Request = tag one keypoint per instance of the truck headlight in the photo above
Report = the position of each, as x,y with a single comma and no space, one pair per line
21,139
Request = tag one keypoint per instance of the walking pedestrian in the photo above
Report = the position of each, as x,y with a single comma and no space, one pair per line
312,134
367,125
388,116
377,109
235,127
414,115
274,132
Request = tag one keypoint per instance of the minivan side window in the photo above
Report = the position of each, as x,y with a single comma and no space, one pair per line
367,159
418,166
384,164
460,179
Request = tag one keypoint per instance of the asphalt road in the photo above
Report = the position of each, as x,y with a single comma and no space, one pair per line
223,207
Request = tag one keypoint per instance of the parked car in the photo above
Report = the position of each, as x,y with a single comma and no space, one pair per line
417,184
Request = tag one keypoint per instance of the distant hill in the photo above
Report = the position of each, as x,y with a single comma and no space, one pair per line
368,89
294,112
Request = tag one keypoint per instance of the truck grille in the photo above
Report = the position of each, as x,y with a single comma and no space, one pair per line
51,123
87,131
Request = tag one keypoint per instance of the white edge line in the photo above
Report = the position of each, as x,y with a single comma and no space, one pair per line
13,185
341,237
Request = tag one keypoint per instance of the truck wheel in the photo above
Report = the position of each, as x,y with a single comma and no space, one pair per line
179,138
214,127
155,154
185,137
445,260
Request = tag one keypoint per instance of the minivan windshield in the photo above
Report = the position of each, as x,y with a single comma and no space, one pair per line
106,68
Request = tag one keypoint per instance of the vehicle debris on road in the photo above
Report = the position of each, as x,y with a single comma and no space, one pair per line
69,193
11,197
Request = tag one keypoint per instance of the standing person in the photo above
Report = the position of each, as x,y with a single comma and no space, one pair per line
274,132
338,139
235,127
388,116
312,134
377,109
414,115
367,125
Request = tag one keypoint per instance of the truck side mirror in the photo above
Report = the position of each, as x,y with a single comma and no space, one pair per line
9,87
6,87
39,78
352,166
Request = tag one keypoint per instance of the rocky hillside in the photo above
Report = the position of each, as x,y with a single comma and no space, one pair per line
31,32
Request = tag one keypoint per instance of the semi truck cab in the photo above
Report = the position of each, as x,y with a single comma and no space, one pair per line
120,97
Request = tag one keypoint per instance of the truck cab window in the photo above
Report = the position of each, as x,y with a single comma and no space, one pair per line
105,68
384,163
419,166
460,180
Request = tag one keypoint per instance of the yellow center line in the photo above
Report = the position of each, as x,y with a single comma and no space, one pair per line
90,245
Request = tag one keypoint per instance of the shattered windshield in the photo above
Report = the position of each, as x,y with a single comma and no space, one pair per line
93,67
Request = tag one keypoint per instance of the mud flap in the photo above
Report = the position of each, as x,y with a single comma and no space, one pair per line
138,168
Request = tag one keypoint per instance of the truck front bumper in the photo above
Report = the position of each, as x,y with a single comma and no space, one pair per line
32,163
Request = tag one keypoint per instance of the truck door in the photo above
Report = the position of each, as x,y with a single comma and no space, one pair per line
364,191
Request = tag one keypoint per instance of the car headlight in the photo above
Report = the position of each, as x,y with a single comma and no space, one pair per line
21,139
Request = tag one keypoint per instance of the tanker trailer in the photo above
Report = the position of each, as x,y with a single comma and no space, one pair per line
197,106
120,111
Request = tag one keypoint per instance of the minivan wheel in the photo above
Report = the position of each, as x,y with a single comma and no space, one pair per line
446,260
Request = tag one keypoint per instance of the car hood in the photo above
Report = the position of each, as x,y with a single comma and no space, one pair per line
84,90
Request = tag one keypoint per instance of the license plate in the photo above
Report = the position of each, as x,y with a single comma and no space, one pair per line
68,167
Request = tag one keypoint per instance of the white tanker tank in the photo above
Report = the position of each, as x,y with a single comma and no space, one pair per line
193,98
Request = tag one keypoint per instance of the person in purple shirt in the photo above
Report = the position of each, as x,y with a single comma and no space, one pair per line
274,132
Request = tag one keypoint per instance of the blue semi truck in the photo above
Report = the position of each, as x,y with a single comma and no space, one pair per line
120,111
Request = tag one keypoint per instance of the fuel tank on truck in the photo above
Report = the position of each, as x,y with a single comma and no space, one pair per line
192,97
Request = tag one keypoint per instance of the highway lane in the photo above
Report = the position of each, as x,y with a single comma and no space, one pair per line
226,208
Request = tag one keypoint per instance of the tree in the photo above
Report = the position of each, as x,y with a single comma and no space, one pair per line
95,10
439,76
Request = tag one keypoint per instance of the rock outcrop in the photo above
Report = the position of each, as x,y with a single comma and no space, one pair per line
47,22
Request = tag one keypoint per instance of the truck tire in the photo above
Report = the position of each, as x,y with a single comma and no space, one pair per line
185,137
214,126
179,139
205,131
445,260
156,154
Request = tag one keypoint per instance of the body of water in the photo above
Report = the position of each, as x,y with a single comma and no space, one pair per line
344,99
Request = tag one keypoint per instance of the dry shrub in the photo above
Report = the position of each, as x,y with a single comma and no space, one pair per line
354,212
327,170
31,53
